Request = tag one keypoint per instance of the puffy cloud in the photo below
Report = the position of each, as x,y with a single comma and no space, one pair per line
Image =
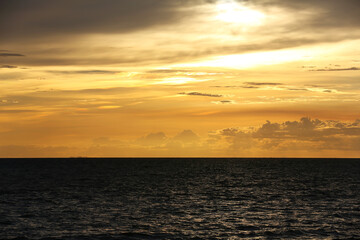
187,136
153,139
306,135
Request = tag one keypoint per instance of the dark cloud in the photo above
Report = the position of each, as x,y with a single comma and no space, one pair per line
100,91
320,135
15,111
308,66
306,128
262,84
226,102
25,20
170,71
11,54
8,66
336,69
298,89
201,94
86,72
39,18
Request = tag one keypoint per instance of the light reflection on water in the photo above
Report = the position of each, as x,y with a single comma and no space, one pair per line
179,199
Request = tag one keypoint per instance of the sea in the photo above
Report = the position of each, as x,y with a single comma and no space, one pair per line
183,198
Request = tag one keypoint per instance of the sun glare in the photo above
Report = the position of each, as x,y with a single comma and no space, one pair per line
232,12
249,60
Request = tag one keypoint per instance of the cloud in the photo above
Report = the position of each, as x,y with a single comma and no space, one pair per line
8,66
256,84
41,18
86,72
224,102
16,111
166,71
35,21
186,136
262,84
153,139
304,135
336,69
95,91
11,55
201,94
325,14
297,89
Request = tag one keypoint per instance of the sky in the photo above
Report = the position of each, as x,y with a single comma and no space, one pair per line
179,78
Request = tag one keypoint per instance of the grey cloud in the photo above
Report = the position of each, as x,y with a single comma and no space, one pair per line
61,57
307,128
11,54
336,69
297,89
22,20
226,101
100,91
170,71
8,66
201,94
86,72
308,66
262,84
39,18
15,111
322,135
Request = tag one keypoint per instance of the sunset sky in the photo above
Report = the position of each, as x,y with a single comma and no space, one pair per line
180,78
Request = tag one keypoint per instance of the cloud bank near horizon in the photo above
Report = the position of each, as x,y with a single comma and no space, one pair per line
300,138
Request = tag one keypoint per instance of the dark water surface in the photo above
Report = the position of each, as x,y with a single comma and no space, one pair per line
180,199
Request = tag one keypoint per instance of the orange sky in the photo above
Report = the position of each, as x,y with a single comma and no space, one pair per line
221,78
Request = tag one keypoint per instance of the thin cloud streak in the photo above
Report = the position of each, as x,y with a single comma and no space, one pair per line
201,94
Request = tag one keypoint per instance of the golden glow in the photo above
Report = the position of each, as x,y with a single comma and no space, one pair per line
232,12
250,60
212,67
178,80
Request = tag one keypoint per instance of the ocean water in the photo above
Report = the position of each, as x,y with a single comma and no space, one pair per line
179,199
